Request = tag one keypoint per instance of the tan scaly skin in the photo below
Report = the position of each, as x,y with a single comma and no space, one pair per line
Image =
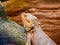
38,37
29,25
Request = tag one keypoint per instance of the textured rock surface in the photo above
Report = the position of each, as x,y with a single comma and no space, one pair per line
48,15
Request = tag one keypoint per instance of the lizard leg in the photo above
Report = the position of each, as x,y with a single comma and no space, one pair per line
29,39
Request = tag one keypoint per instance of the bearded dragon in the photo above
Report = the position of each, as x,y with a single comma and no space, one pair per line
38,37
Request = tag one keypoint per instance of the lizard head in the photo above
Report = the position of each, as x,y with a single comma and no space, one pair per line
28,20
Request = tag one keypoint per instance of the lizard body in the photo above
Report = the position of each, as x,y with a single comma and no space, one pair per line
38,37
